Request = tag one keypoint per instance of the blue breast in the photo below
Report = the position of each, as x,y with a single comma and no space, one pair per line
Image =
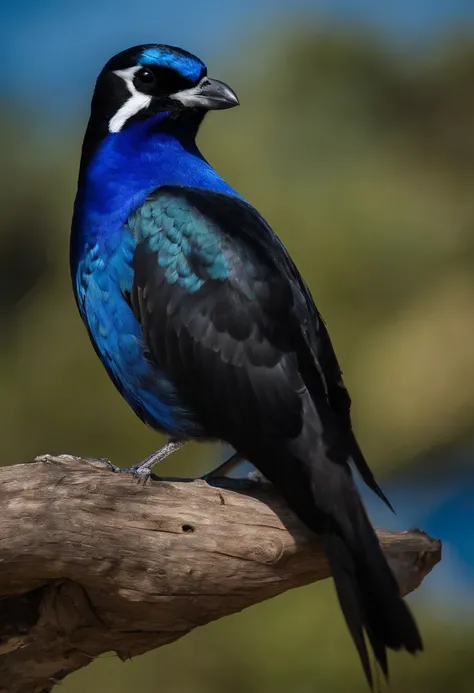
117,337
117,182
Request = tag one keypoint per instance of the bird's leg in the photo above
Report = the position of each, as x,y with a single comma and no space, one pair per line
142,470
224,468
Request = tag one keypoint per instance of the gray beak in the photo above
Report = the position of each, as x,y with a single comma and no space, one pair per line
209,94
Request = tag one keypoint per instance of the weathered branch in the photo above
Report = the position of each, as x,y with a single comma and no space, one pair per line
91,561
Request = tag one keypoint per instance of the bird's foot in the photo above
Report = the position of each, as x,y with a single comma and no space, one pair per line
141,475
142,471
115,468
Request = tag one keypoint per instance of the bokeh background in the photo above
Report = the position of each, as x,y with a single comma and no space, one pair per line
355,138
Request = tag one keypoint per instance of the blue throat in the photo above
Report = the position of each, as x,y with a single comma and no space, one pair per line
128,166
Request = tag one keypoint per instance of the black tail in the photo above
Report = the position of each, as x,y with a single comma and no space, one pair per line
324,496
367,590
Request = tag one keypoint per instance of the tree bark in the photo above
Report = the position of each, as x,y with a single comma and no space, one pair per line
91,561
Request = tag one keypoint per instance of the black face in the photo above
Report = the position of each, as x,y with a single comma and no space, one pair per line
160,82
114,90
146,80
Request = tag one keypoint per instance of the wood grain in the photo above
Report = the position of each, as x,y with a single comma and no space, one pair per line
92,561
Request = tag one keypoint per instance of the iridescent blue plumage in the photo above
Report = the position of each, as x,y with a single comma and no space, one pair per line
207,328
104,278
186,64
182,240
105,234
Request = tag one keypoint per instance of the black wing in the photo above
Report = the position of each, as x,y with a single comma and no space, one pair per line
226,315
221,302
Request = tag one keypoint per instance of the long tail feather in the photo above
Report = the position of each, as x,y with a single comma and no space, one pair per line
367,590
368,593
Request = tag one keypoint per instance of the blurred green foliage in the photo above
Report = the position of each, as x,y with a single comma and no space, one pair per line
363,162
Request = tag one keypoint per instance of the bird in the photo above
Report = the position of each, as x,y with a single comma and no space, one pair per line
208,330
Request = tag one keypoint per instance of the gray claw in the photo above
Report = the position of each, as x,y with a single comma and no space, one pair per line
142,475
113,467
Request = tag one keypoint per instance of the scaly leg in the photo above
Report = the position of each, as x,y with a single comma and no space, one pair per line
142,470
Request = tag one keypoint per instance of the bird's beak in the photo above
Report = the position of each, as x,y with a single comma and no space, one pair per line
209,94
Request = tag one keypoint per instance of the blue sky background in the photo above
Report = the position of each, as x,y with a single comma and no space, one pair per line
52,50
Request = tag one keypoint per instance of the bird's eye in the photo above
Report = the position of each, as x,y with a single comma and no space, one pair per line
145,78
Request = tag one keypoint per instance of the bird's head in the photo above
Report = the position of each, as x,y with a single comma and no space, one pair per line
151,80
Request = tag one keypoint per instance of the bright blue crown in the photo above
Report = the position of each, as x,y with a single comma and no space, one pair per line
185,63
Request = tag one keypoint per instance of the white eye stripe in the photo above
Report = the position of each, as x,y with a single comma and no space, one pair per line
134,104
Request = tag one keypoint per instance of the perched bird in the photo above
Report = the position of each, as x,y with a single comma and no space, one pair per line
206,327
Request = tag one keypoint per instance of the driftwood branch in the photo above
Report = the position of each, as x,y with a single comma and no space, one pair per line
91,561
